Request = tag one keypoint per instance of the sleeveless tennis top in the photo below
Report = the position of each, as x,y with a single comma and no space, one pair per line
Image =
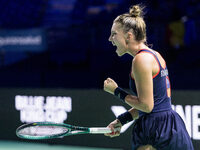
161,87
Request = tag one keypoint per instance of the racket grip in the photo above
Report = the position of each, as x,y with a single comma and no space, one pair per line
101,130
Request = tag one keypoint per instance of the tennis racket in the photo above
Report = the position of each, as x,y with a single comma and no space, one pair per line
49,130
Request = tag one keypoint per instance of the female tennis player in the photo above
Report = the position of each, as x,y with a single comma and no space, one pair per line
156,125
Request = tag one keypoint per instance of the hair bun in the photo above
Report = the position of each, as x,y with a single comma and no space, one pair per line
135,11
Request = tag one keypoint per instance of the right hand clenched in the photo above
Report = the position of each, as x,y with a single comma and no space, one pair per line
115,126
110,85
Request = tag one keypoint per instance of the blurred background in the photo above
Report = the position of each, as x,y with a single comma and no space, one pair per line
61,48
73,49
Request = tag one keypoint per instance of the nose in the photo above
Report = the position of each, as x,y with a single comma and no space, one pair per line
110,39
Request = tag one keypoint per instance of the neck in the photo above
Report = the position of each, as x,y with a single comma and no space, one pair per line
136,47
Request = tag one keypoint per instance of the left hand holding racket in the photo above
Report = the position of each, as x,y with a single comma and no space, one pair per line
115,127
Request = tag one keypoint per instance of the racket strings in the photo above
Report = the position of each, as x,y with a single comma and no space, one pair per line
43,130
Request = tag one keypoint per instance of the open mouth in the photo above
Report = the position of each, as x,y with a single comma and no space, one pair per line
113,44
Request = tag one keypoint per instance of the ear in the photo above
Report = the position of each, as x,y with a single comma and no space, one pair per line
129,36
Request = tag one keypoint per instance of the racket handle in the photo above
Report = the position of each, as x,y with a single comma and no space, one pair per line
101,130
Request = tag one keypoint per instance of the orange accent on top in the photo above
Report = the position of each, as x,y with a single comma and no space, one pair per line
131,75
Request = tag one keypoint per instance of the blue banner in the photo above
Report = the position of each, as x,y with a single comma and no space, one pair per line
23,40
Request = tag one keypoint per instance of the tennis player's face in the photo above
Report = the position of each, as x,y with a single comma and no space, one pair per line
118,39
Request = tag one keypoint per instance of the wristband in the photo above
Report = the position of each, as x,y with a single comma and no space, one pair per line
120,93
125,118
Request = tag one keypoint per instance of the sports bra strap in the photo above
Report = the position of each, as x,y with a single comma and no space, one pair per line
154,54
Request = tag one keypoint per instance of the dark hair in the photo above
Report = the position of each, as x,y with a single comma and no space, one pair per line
133,21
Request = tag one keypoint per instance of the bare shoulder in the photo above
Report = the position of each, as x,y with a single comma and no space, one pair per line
142,60
142,65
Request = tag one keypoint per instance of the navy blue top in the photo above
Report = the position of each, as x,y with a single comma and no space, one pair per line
161,83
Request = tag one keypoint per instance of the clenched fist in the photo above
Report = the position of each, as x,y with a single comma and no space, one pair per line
110,85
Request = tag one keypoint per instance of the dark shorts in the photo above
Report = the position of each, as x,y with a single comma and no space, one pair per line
163,130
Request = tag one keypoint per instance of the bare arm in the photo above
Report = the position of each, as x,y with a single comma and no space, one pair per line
142,72
134,113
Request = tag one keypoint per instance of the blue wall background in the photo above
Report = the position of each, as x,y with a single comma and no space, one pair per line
78,54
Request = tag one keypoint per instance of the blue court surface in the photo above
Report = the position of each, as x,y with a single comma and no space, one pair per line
11,145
